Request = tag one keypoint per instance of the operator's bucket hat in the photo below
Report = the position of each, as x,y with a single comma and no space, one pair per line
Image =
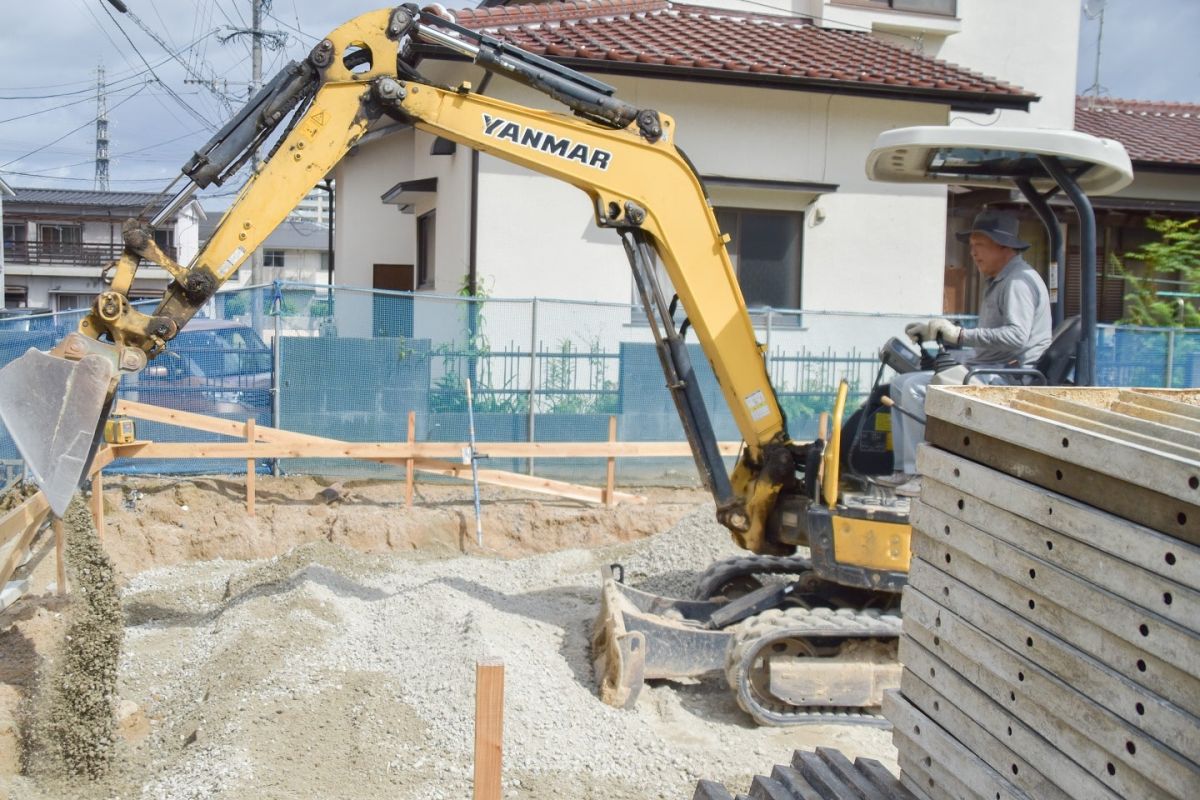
1000,226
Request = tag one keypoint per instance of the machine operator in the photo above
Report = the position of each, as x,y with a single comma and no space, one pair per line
1013,331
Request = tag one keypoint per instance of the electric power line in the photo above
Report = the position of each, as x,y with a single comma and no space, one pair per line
68,133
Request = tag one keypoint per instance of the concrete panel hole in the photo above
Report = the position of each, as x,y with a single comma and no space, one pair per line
1033,574
945,591
1066,442
956,475
1131,748
1010,730
1193,481
1021,677
937,641
947,530
1014,769
966,441
1170,558
931,783
947,558
1032,605
1181,518
1058,474
917,730
1050,511
1143,629
1111,769
1029,641
960,505
937,622
929,763
1012,696
1049,545
1141,665
932,672
1167,598
937,706
1141,709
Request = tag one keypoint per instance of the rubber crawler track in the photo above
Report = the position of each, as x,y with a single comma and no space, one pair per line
777,625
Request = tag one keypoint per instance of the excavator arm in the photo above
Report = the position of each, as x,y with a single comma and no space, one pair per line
625,159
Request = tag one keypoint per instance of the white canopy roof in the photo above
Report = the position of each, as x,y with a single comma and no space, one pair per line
997,157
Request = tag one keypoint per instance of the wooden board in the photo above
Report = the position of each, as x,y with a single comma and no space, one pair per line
955,704
1017,683
1164,597
1112,494
1068,622
1143,629
17,529
913,730
1135,704
1156,465
1137,544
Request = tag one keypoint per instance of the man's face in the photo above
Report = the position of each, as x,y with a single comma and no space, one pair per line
989,257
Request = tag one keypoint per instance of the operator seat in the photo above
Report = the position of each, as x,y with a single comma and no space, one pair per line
1055,365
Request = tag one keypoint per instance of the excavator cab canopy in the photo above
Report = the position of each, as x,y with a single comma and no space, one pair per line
1037,163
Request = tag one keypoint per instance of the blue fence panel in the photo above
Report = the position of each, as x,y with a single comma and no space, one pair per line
352,365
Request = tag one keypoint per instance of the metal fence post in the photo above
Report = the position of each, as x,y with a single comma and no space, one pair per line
767,354
1170,358
533,363
276,376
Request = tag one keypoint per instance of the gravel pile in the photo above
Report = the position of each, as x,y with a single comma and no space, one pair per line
325,671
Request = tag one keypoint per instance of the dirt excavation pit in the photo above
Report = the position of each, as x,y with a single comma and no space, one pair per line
329,646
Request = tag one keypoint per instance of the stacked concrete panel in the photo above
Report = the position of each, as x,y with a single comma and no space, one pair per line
1051,645
825,774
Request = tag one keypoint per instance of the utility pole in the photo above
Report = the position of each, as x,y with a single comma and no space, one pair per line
101,182
1094,9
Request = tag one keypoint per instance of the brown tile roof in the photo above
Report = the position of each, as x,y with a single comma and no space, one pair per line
693,42
1154,133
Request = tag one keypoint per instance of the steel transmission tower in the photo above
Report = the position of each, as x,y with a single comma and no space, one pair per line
101,182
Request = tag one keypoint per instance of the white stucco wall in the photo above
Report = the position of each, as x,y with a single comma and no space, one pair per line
1033,44
1162,186
538,236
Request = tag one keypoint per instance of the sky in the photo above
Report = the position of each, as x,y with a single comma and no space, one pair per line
53,49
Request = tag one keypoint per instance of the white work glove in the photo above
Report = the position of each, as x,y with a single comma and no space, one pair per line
928,331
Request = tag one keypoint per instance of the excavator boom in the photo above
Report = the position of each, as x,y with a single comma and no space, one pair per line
624,158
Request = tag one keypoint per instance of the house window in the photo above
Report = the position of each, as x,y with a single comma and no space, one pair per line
16,249
945,8
71,302
165,239
273,258
764,247
426,228
60,238
16,297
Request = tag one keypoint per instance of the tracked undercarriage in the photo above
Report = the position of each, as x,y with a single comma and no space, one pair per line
794,648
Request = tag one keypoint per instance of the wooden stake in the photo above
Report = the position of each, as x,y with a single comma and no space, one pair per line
250,472
611,478
823,426
408,465
489,728
59,545
98,503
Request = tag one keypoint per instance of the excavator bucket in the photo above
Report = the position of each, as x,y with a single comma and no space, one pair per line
53,408
638,636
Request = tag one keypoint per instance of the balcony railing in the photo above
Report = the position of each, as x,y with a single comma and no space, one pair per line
74,254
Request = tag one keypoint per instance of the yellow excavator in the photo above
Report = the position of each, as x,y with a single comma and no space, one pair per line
817,647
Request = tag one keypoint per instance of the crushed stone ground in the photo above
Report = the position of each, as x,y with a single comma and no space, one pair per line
325,670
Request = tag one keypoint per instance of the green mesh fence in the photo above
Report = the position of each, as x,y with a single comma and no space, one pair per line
353,363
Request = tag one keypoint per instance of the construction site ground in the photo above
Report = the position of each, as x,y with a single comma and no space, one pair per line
328,648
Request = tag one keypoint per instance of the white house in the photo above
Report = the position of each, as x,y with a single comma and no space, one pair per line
57,242
776,112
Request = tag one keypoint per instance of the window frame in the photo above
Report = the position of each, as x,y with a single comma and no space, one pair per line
734,250
273,254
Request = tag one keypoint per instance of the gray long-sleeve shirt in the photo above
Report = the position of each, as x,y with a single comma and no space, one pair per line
1014,322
